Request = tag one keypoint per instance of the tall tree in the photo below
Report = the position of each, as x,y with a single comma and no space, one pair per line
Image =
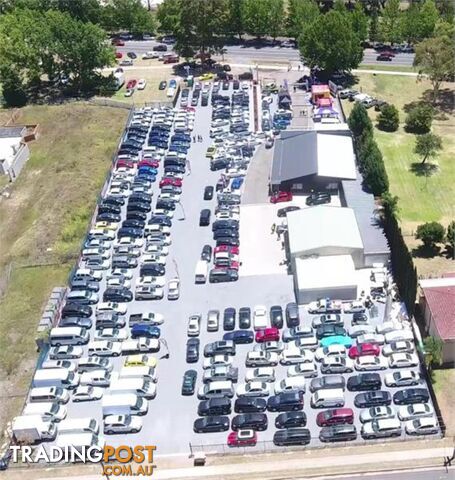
390,25
450,237
276,18
128,15
359,121
300,14
168,16
374,27
236,22
330,43
433,349
359,22
427,145
428,16
410,25
390,205
257,17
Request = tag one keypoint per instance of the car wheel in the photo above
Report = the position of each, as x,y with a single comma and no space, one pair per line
109,432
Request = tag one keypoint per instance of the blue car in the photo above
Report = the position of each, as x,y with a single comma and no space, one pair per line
237,183
178,148
146,176
337,340
240,336
172,83
147,331
147,170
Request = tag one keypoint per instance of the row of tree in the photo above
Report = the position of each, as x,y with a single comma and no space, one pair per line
431,233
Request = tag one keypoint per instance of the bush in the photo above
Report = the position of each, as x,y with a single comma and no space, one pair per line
430,233
388,119
375,175
419,119
14,94
451,235
359,121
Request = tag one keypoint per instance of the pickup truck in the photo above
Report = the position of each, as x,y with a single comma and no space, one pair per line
146,318
325,306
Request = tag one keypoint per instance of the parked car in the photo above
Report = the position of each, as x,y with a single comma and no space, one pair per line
372,399
189,382
211,424
411,395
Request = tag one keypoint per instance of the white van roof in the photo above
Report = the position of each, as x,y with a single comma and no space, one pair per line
63,331
51,373
119,399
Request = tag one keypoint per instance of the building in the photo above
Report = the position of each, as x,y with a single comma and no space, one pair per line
325,249
313,159
14,151
437,303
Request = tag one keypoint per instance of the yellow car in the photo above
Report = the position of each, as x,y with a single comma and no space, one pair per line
140,361
106,225
206,76
210,152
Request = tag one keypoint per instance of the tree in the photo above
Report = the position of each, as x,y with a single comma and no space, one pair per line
451,235
374,27
330,43
410,23
388,119
428,16
375,175
276,18
446,9
390,25
257,17
128,15
359,22
359,121
168,16
436,58
433,349
419,119
430,233
236,22
390,205
427,146
300,14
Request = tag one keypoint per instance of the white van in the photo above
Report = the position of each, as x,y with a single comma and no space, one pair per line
202,270
85,297
68,336
87,274
147,373
104,348
49,394
138,386
104,234
296,383
79,425
80,440
328,398
47,410
55,377
216,389
124,403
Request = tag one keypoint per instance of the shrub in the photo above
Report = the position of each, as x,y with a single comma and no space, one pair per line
359,121
419,119
388,119
430,233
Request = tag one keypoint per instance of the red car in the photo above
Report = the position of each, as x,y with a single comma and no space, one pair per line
337,416
242,438
131,84
125,163
149,163
171,59
270,334
176,182
281,197
364,349
226,248
118,55
190,109
223,263
118,43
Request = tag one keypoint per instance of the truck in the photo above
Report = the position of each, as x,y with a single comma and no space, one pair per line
139,386
55,377
325,305
202,268
119,80
146,345
150,318
124,404
30,429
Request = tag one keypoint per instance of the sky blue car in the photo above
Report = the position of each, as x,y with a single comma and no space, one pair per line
337,340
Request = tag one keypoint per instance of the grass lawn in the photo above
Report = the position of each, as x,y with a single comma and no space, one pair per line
389,68
44,220
444,386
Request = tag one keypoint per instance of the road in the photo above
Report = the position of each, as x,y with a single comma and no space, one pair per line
439,473
247,55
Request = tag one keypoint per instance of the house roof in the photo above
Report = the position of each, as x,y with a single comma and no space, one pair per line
440,297
13,131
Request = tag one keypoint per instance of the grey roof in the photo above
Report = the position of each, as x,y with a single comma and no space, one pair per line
295,156
373,237
12,132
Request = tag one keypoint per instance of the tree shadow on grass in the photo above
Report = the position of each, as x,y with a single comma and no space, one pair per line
445,102
423,251
424,169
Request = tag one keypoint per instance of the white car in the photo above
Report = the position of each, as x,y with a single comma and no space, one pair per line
118,192
175,197
173,289
161,211
261,359
213,320
217,360
140,345
157,249
65,352
373,338
354,307
154,258
422,426
330,351
296,355
293,383
334,364
111,334
402,378
119,308
397,335
359,330
118,282
398,347
128,92
96,264
269,347
417,410
370,363
387,327
227,216
141,84
122,424
150,281
259,317
154,228
375,413
261,374
307,370
194,325
96,378
398,360
253,389
86,393
311,342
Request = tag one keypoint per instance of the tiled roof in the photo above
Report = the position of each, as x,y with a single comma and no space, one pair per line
441,302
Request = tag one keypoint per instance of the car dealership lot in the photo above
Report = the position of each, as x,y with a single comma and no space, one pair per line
169,421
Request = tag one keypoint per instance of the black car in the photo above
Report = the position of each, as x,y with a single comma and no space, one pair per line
206,253
359,319
113,200
285,402
292,315
229,319
225,233
245,317
231,241
165,205
204,218
329,330
162,85
117,294
140,198
255,421
372,399
292,436
211,424
109,208
152,269
318,198
130,232
410,396
215,406
276,316
189,382
138,206
136,215
160,220
364,381
338,433
192,350
131,55
290,419
221,347
76,310
240,337
225,224
133,223
250,405
108,217
75,322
